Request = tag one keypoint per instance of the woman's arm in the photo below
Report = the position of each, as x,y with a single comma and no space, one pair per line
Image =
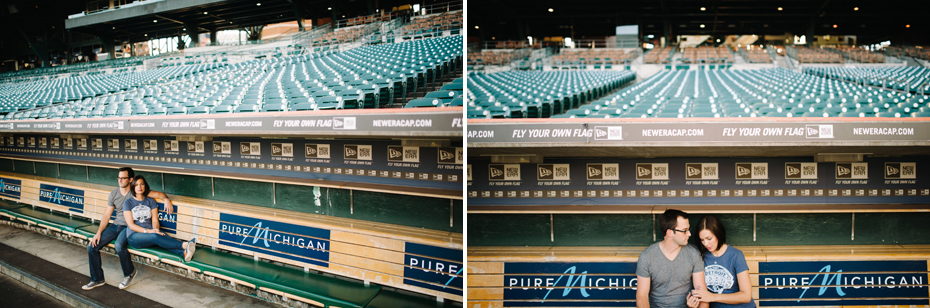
132,224
743,296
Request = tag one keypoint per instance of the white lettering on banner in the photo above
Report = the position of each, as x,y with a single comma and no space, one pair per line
403,123
242,123
481,134
884,131
142,124
74,125
302,123
543,133
672,132
23,125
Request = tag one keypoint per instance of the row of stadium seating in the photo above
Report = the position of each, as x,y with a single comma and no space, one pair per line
912,79
71,68
659,56
366,77
597,59
755,55
810,55
26,95
857,54
751,93
706,54
538,94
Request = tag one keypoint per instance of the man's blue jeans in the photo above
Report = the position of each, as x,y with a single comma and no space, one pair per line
110,233
143,240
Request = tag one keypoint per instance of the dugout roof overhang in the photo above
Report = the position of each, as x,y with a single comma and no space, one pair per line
169,18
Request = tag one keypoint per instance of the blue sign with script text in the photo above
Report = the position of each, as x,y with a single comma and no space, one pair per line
609,284
299,243
843,283
72,198
10,188
433,268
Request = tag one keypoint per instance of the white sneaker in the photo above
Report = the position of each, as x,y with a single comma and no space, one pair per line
93,284
127,280
189,252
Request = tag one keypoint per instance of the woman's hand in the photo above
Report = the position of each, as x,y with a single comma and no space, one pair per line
703,295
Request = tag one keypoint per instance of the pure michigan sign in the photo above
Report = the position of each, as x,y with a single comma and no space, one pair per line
299,243
434,268
72,198
843,283
590,284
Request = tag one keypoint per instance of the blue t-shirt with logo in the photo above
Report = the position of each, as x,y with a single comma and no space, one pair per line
141,212
720,274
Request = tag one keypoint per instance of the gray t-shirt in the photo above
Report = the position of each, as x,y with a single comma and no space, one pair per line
670,279
116,200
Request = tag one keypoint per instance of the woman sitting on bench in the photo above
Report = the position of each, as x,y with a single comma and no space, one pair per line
141,214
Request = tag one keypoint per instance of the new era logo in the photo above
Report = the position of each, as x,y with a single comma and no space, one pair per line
497,173
394,153
819,131
446,155
545,172
608,133
351,152
901,170
743,171
792,171
643,172
311,150
344,123
842,171
594,173
694,171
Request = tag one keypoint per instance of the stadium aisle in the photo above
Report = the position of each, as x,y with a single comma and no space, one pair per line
151,287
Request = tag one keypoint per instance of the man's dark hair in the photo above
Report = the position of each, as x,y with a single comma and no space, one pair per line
713,225
669,219
132,174
137,180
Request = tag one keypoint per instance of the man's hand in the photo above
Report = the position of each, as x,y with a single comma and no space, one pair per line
95,240
693,299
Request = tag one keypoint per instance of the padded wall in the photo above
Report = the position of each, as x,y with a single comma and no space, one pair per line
413,211
772,229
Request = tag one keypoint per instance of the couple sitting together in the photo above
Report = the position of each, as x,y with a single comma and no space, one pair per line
672,273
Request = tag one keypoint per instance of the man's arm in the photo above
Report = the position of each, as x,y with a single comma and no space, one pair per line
169,207
104,221
643,285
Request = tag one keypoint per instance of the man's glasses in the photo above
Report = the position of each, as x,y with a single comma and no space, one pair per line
685,231
123,178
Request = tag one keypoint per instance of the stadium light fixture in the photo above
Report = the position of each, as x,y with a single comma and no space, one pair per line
856,8
329,8
155,20
907,26
702,26
780,9
205,13
550,10
834,26
476,27
258,4
703,8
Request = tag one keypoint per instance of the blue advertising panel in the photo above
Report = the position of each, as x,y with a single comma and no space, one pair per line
72,198
436,265
299,243
363,161
607,284
168,222
843,283
10,188
673,181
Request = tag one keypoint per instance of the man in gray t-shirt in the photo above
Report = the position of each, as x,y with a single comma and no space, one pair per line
668,270
107,232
